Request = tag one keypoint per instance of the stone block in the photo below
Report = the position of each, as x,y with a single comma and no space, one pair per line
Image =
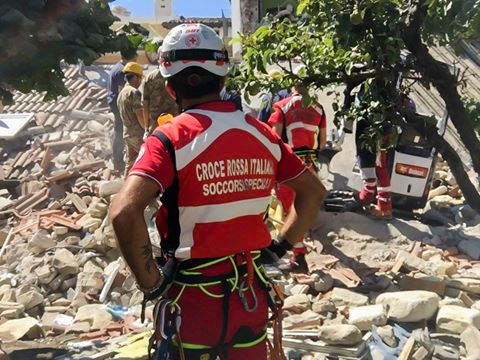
297,303
306,320
365,316
30,299
456,319
409,306
96,315
40,241
470,339
108,188
324,306
344,297
346,335
26,328
65,262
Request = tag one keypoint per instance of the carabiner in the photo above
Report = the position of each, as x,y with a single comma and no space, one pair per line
244,301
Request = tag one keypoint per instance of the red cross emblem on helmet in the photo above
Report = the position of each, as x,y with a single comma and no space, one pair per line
192,40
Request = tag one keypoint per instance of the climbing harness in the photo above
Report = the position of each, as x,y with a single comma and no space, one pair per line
309,156
167,312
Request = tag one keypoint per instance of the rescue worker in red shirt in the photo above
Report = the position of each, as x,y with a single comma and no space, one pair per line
215,168
304,129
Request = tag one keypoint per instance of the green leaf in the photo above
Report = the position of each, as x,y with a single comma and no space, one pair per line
235,40
135,39
301,7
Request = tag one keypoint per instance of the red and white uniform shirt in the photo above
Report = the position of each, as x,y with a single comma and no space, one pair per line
302,124
227,164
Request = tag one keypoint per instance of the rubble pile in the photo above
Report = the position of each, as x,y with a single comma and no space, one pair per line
401,289
57,248
446,203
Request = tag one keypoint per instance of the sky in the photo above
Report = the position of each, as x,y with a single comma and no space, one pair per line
187,8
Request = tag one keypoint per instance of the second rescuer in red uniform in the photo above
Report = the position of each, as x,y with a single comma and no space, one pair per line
304,129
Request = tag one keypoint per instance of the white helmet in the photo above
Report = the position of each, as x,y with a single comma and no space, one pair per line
189,45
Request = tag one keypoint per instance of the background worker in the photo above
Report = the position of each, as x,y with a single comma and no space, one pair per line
156,101
375,195
131,112
115,83
304,129
268,99
216,168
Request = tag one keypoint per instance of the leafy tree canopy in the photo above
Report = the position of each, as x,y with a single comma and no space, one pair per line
36,35
350,40
372,43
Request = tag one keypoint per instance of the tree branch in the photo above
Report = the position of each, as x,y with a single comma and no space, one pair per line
438,74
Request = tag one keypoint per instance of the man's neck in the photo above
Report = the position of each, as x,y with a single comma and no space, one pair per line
133,85
190,103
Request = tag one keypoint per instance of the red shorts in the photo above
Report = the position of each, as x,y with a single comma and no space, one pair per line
203,319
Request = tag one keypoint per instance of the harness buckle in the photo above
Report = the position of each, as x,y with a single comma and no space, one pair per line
243,299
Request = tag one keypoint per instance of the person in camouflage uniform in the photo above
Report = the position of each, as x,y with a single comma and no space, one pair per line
155,99
130,108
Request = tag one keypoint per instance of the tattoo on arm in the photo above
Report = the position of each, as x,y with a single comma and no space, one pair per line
147,255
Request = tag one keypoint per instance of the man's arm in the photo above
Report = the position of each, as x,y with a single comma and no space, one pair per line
309,196
322,138
136,101
126,214
146,113
276,121
278,128
146,93
140,117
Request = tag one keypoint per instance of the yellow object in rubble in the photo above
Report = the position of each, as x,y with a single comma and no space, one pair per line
164,118
137,349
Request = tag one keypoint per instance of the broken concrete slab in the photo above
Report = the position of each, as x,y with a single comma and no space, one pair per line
96,315
65,262
456,319
30,299
11,310
470,339
91,282
80,327
364,317
435,284
410,306
433,268
306,320
26,328
297,303
340,334
40,241
324,306
344,297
